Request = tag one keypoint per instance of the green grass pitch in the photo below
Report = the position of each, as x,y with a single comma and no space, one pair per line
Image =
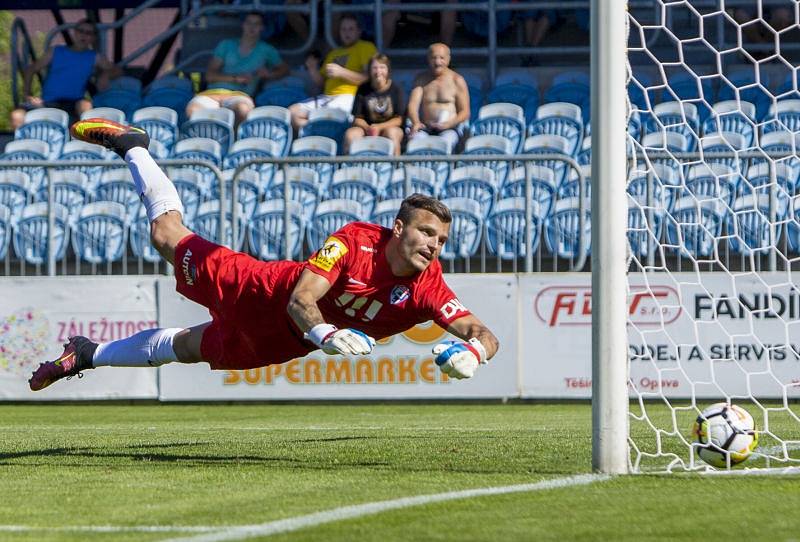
124,469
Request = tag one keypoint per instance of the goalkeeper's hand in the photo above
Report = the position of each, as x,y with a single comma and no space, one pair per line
460,359
340,341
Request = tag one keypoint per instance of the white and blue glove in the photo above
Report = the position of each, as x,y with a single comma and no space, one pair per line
333,340
460,359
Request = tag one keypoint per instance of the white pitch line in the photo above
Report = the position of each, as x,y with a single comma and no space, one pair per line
349,512
111,529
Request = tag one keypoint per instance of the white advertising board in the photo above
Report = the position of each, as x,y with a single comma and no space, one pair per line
712,334
38,314
401,367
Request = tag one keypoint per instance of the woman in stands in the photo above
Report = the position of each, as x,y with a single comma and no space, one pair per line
378,106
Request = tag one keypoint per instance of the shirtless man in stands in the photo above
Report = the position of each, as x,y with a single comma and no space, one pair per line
439,102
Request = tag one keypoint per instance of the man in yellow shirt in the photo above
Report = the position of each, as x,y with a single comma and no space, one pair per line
343,70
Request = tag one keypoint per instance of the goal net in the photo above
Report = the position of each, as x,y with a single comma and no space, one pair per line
713,226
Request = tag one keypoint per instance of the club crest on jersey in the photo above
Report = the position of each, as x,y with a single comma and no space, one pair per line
399,294
329,254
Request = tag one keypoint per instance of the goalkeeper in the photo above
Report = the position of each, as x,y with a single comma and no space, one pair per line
365,283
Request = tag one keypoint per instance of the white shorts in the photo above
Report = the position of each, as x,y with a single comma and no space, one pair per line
336,101
220,100
452,136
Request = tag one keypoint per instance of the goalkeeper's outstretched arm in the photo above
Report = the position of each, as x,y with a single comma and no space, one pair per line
470,327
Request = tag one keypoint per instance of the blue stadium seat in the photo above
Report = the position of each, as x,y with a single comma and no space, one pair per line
562,229
271,122
746,89
46,124
206,224
282,93
694,227
654,181
305,188
758,180
431,146
637,90
572,87
585,153
101,232
732,116
15,191
109,113
549,144
31,233
123,93
216,124
645,225
192,189
749,227
570,187
489,144
356,184
559,118
543,187
505,229
710,181
330,216
385,212
6,227
680,117
783,145
26,150
266,231
477,183
254,147
139,234
80,150
169,91
466,229
422,180
659,142
783,116
503,119
70,189
375,146
249,189
161,124
723,142
327,122
200,148
516,86
688,87
315,146
793,225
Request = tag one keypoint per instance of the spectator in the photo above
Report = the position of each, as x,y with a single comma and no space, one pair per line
536,23
439,102
237,68
340,75
447,25
69,69
378,106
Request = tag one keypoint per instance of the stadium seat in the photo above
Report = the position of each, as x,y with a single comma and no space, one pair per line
192,189
250,148
516,86
758,180
161,124
26,150
431,146
327,122
465,230
505,229
31,233
562,229
654,181
645,225
316,146
572,87
732,116
80,150
101,232
15,191
249,189
489,144
271,122
477,183
356,184
385,212
157,150
200,148
45,124
123,93
476,100
503,119
305,188
694,226
711,181
109,113
637,89
543,186
687,87
282,93
655,143
549,144
6,227
206,224
117,185
330,216
216,124
680,117
375,146
266,231
723,142
70,189
749,227
783,115
422,180
139,234
793,226
783,147
745,88
570,187
169,91
559,118
585,154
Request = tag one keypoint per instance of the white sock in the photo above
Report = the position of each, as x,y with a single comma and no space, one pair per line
148,348
155,189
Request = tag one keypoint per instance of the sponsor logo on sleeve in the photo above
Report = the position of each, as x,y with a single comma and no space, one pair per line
188,268
330,253
399,294
452,307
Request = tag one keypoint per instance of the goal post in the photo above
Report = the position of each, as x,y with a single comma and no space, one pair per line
609,114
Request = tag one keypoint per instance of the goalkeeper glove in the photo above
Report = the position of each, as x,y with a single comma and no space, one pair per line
460,359
340,341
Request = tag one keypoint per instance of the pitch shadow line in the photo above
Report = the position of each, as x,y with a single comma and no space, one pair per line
351,512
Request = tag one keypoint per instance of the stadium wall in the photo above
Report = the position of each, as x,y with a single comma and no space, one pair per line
542,321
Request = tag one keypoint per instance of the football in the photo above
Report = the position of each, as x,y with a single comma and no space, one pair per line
725,435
